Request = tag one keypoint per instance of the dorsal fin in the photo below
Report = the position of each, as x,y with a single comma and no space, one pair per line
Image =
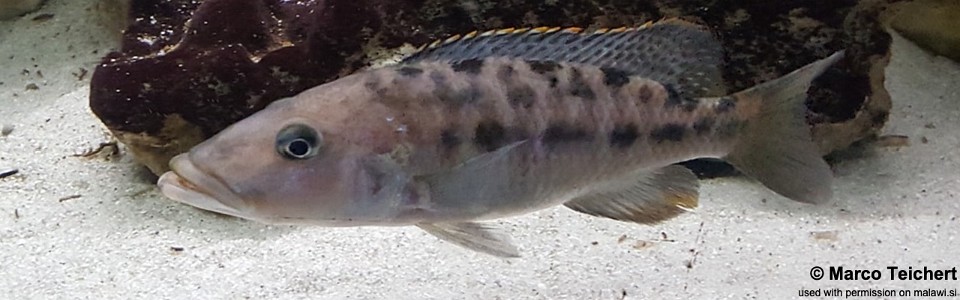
673,52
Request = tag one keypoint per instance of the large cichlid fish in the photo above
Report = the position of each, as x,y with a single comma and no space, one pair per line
507,122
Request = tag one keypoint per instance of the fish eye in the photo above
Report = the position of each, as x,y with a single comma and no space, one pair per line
298,141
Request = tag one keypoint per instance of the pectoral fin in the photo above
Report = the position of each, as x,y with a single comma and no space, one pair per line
646,197
478,184
474,236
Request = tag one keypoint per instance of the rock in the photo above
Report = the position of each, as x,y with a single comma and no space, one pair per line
6,129
931,24
13,8
172,86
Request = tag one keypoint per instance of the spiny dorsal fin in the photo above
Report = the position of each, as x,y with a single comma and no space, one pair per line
541,30
671,51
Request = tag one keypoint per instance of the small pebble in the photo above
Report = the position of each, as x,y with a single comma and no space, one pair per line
42,17
6,129
4,173
829,235
71,197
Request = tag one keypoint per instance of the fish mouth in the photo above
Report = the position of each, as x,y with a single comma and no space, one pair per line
187,184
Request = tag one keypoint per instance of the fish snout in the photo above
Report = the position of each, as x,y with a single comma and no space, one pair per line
188,184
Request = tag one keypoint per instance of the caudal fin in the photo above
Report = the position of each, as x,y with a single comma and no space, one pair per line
776,147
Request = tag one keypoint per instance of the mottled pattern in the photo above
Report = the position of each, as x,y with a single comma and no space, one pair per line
491,103
668,133
614,77
470,66
623,136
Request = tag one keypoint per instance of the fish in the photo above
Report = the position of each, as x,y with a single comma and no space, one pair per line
507,122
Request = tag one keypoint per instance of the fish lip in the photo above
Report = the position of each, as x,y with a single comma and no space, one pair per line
188,184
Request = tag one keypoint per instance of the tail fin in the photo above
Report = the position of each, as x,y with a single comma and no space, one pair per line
776,147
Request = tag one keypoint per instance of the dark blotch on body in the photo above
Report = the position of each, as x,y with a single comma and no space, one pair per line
457,97
624,135
675,99
506,73
373,84
546,68
446,94
489,135
645,94
410,71
669,132
726,104
470,66
553,81
521,95
703,125
543,67
614,77
579,87
560,133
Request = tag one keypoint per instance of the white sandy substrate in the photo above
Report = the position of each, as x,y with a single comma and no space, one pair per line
893,207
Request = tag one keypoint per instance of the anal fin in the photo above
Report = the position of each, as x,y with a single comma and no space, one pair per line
646,197
474,236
